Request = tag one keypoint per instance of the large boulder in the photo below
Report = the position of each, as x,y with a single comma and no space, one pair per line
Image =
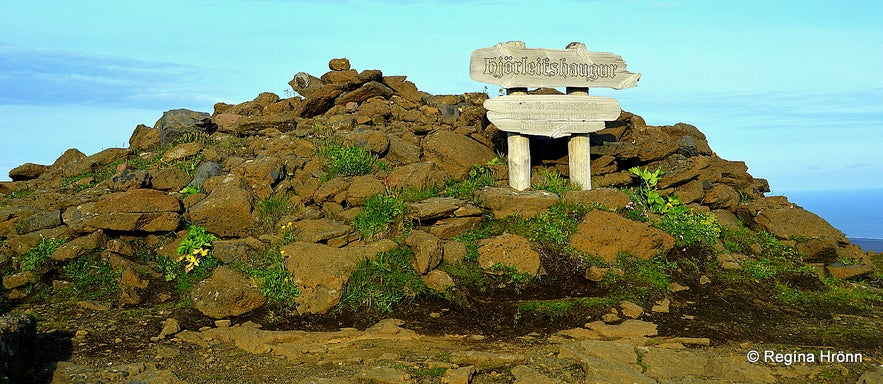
145,210
455,153
226,293
27,171
786,220
261,174
504,201
416,176
606,235
175,123
509,251
321,271
227,211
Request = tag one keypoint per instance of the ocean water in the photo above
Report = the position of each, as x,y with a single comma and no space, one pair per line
856,212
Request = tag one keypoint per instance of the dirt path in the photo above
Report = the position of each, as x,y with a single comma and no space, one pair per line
90,343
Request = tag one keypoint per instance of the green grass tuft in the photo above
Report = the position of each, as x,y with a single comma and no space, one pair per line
379,285
380,212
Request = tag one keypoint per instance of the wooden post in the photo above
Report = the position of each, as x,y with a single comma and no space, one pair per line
519,153
579,158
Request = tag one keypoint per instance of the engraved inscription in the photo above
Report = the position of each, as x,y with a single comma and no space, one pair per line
543,66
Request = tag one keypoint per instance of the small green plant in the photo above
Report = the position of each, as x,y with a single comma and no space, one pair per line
687,227
479,176
35,258
272,208
194,247
380,211
287,234
339,160
512,274
552,181
553,226
380,284
648,197
690,228
73,179
276,282
184,280
93,279
189,190
557,308
427,372
640,277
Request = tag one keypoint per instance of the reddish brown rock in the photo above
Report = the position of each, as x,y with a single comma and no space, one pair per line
226,293
438,280
319,101
321,230
362,188
417,176
721,197
605,197
404,88
434,208
841,271
428,250
606,235
138,201
304,83
451,227
786,220
261,174
455,153
508,250
506,201
365,92
144,138
136,210
27,171
322,271
80,246
226,212
340,64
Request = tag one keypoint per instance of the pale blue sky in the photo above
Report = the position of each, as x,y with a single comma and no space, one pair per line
793,88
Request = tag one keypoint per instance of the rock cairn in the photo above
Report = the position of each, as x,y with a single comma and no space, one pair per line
121,201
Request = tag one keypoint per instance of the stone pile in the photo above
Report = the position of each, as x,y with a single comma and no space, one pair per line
121,200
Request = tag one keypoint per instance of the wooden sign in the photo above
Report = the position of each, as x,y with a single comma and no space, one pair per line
551,115
511,65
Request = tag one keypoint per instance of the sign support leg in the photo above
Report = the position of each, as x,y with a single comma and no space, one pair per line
519,161
578,151
519,153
